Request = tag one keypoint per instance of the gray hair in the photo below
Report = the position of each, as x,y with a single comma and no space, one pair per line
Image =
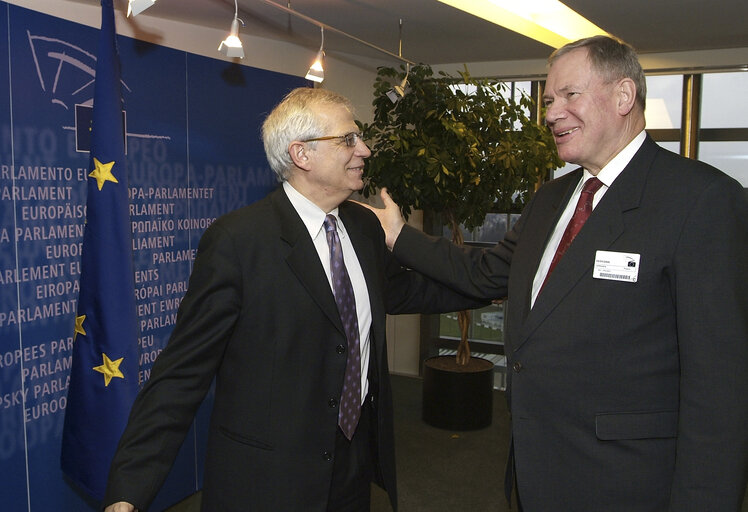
613,59
295,119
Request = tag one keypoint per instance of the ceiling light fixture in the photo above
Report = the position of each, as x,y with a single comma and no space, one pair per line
547,21
316,73
135,7
401,90
232,45
334,30
398,91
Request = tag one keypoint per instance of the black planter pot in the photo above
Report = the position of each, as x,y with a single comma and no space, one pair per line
455,397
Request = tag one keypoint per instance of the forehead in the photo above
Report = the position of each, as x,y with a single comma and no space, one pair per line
335,117
572,69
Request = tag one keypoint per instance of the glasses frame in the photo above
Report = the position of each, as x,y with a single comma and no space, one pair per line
351,139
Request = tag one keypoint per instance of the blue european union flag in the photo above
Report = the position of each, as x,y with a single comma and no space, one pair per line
103,378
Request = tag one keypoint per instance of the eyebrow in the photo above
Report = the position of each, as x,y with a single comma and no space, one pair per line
563,89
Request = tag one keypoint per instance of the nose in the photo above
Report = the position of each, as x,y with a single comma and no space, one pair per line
362,149
553,113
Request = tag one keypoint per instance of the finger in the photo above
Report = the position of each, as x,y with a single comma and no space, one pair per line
386,198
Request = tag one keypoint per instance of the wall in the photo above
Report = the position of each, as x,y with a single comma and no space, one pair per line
351,81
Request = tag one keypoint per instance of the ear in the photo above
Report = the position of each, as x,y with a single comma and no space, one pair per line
299,154
626,91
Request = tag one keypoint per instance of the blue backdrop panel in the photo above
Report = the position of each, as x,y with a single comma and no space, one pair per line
12,442
193,153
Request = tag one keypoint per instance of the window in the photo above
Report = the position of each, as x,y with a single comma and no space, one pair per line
664,105
486,331
724,130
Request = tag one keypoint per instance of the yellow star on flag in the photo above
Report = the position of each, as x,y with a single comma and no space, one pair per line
79,326
110,369
102,173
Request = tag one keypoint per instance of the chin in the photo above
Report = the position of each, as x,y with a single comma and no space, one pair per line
567,155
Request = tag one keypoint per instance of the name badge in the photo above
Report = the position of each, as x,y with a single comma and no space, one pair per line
616,266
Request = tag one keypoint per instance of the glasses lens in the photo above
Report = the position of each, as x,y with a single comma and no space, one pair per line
352,138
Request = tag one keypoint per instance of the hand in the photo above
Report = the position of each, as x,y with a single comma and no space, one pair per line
120,506
389,217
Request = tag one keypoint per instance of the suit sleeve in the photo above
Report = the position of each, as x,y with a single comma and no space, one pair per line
478,272
711,296
408,291
181,376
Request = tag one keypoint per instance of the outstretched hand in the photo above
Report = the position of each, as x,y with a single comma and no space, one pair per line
389,217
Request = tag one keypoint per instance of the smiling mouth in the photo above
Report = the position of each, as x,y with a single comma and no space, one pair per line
566,132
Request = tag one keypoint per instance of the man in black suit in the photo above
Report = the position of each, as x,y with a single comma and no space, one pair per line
628,362
261,317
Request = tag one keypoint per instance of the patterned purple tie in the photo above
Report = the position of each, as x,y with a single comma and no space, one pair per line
350,399
581,214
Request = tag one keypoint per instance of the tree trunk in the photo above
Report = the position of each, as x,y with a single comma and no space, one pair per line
463,317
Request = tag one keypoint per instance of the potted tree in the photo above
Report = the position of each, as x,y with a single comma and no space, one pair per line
456,147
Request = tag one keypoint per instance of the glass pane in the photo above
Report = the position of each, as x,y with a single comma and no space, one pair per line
493,229
722,95
664,105
670,146
521,89
486,325
729,157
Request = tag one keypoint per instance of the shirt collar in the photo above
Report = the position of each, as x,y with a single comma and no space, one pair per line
311,215
610,172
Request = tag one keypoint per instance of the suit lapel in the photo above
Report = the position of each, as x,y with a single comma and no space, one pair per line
302,258
540,226
602,229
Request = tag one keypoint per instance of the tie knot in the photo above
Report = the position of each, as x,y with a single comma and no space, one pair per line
592,185
330,223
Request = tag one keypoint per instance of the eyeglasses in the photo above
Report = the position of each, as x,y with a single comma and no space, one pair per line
351,139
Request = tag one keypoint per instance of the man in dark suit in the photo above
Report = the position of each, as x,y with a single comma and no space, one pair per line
628,362
260,316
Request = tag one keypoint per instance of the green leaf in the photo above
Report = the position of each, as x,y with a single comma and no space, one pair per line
442,149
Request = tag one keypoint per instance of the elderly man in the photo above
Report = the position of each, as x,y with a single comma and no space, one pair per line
627,326
286,309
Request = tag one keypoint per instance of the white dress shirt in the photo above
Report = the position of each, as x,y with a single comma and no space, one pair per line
607,175
314,218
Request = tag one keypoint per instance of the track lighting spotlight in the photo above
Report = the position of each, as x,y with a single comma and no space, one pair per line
401,90
316,73
232,45
135,7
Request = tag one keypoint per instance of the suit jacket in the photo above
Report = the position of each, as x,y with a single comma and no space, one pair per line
624,396
259,316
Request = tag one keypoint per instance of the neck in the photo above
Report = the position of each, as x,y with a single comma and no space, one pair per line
325,201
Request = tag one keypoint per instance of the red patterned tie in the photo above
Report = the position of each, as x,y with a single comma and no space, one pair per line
350,398
581,214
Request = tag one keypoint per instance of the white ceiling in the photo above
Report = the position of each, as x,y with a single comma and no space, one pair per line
435,33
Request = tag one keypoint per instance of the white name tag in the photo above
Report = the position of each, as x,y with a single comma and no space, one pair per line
616,266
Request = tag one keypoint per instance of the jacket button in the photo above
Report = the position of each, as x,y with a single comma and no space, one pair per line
332,403
517,367
340,349
327,456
